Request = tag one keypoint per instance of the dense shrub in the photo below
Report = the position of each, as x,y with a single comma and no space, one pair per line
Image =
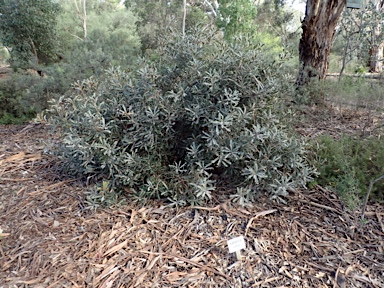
205,115
349,164
111,39
23,94
18,102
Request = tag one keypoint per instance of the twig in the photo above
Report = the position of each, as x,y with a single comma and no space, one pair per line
367,196
380,222
27,128
262,213
266,281
17,179
320,206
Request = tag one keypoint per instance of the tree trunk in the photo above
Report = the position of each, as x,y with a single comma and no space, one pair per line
321,18
82,15
85,18
376,52
376,59
34,51
184,17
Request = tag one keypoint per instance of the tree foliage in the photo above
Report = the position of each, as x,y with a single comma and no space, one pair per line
28,28
274,17
358,36
160,18
237,17
111,34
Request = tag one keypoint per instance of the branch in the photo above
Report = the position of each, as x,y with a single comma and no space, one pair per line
184,17
77,7
213,10
77,37
34,50
367,196
85,19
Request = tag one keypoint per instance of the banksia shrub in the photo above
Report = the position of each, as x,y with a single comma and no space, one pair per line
202,116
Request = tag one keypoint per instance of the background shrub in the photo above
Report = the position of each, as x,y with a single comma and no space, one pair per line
23,94
112,39
349,164
205,115
18,101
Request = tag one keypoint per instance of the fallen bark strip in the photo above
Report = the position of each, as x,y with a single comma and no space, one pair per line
181,258
262,213
320,206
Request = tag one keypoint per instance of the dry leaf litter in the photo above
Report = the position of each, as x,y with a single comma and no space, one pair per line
50,239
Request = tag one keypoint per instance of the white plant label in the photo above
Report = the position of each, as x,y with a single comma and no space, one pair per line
236,244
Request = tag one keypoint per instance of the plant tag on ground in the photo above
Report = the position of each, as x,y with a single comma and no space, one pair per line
236,244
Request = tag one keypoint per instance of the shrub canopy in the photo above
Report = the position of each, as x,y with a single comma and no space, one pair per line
204,115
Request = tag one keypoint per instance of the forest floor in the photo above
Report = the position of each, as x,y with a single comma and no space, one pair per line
50,239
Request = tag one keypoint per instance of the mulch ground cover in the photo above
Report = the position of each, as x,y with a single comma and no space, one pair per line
50,239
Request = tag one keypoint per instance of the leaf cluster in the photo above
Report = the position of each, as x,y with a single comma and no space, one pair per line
204,116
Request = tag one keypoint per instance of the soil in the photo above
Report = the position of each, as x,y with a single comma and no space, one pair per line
50,237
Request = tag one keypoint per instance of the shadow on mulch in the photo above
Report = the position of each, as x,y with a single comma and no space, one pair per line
49,239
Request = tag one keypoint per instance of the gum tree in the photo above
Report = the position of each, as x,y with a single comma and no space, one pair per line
376,41
319,24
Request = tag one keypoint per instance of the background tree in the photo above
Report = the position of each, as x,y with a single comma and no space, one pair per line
321,18
236,17
269,23
156,17
28,28
111,39
349,38
4,54
159,18
376,40
359,38
81,9
111,36
276,18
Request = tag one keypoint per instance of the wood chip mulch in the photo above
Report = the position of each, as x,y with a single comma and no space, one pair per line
50,239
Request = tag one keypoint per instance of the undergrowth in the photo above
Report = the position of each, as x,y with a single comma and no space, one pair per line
348,165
